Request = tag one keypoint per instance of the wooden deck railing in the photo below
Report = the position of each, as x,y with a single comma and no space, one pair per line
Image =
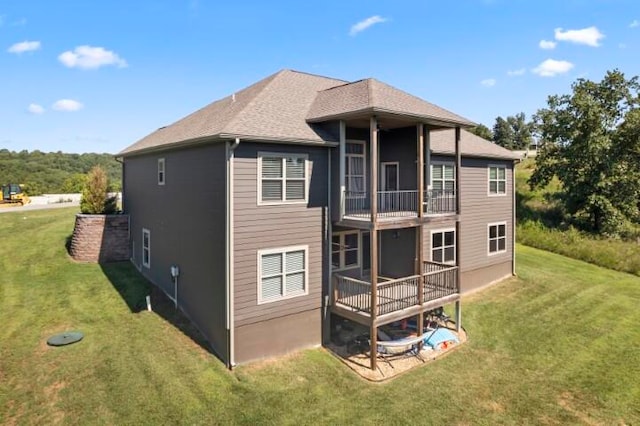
439,280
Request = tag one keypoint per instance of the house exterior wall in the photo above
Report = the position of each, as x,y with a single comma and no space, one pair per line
186,220
260,227
478,209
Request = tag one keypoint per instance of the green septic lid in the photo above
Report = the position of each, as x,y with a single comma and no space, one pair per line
66,338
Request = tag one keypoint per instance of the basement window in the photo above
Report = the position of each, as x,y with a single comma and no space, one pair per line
497,238
283,273
146,248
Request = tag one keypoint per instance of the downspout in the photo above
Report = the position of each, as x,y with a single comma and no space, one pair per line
229,251
329,239
513,218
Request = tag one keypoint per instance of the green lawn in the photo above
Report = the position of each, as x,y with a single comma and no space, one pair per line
559,345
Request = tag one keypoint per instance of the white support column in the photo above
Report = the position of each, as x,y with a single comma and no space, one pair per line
343,159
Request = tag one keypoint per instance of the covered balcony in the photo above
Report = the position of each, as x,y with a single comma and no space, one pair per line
399,204
395,298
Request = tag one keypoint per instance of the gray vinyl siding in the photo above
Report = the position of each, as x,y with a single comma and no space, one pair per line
186,219
478,210
277,226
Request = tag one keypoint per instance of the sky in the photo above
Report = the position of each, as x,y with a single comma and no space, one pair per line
96,76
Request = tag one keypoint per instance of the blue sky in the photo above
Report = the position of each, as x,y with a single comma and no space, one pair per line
95,76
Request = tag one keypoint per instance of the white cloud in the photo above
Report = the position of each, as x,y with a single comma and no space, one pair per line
512,73
589,36
622,46
547,45
366,23
551,68
488,82
88,57
24,46
634,24
67,105
35,109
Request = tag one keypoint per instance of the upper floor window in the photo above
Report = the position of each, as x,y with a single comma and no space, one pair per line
282,178
443,246
497,237
161,172
283,273
443,177
345,253
355,168
146,248
497,180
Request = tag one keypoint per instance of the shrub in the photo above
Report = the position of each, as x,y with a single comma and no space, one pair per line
94,196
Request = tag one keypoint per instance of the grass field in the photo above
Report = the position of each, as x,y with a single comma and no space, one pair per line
558,345
540,225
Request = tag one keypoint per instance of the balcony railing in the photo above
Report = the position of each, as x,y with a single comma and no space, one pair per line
395,204
438,281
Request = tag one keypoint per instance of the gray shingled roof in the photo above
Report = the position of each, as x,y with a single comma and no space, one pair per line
371,95
271,109
285,106
443,142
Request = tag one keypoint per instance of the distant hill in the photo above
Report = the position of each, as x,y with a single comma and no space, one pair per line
54,172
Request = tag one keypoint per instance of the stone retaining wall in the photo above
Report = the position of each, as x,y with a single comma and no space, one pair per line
100,238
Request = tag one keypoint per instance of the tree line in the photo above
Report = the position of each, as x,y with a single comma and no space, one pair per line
55,172
513,132
589,140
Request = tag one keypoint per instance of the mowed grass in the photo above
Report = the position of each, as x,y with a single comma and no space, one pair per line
558,345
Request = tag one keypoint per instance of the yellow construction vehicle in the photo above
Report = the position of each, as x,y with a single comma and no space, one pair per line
12,194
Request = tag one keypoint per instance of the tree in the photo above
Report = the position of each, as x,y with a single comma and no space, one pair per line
74,183
503,133
591,142
482,131
521,131
94,196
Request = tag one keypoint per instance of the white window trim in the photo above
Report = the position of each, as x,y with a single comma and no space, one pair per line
440,163
342,266
489,225
162,167
364,166
148,233
438,231
284,156
283,250
496,194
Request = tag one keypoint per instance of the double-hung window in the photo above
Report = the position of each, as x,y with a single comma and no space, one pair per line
497,180
283,273
443,178
355,169
443,246
282,178
161,171
497,237
146,248
345,250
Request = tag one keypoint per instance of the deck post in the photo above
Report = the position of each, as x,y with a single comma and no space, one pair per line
458,239
343,159
373,190
458,316
419,229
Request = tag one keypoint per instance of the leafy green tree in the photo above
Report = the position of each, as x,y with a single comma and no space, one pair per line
94,196
74,183
503,133
482,131
591,142
521,131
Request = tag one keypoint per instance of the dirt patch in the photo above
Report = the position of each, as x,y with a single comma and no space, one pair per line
568,402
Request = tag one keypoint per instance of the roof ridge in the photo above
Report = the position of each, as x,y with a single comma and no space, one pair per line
316,75
271,79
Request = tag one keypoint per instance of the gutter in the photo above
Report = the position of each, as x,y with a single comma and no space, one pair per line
229,252
513,218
